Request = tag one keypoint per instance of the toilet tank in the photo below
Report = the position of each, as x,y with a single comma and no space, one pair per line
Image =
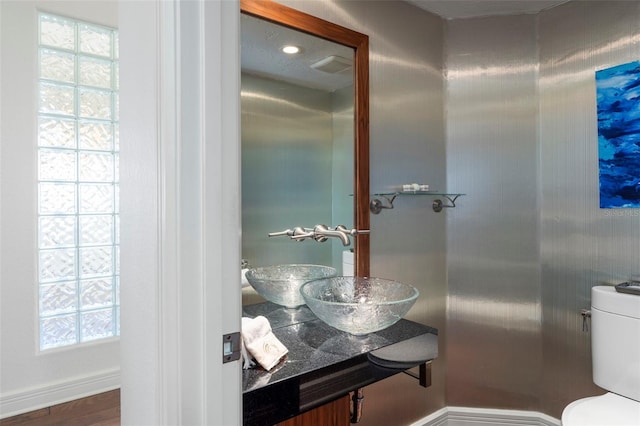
615,341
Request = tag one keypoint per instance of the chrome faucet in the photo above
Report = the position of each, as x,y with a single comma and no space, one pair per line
320,233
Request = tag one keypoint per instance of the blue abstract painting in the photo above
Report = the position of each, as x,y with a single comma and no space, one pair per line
618,94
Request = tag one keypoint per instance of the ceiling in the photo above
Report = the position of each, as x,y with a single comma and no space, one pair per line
261,55
456,9
261,41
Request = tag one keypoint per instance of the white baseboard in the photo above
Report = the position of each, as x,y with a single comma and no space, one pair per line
464,416
438,418
47,395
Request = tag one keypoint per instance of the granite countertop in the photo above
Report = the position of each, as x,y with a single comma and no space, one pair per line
323,363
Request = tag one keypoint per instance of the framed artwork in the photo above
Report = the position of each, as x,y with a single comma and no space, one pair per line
618,97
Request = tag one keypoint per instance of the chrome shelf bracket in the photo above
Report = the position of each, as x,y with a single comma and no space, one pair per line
376,205
438,204
385,201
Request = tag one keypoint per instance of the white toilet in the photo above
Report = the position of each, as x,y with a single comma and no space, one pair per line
615,346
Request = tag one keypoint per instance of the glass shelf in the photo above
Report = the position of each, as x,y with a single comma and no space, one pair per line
377,205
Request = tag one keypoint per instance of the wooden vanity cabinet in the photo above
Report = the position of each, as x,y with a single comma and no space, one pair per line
336,413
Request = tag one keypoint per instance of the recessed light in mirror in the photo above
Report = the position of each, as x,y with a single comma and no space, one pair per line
291,49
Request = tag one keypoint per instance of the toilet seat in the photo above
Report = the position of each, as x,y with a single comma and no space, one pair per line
604,410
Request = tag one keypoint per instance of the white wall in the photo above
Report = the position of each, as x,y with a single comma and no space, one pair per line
29,378
180,213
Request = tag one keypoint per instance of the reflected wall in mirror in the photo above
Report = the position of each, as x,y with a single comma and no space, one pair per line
305,142
297,144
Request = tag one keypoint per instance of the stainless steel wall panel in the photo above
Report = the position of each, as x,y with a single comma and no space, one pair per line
408,243
582,245
528,241
343,165
494,314
521,122
286,169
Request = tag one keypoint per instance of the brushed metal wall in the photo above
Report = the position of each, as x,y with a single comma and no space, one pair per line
527,242
582,245
531,239
407,145
286,169
494,312
343,165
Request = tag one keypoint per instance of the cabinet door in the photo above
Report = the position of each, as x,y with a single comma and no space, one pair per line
336,413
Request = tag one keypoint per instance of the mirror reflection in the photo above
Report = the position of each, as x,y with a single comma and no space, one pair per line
297,144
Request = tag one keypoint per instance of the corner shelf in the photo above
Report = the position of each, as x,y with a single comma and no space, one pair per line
376,205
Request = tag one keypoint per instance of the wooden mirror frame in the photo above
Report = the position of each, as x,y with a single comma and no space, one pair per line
283,15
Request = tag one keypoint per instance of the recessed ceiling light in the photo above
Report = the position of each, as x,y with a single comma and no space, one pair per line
291,50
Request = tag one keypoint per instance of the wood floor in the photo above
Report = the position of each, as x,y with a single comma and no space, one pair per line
104,410
98,410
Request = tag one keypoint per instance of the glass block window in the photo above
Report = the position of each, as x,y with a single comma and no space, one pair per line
78,222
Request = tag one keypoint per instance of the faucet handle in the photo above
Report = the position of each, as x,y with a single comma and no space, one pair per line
298,233
287,232
352,232
320,233
301,234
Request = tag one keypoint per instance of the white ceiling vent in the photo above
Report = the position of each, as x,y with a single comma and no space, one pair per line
333,64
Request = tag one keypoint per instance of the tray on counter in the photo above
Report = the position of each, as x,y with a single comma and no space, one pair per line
631,287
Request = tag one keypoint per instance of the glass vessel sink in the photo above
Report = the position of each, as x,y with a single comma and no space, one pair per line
359,305
280,284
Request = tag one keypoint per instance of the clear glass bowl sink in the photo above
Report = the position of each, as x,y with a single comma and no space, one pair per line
280,284
359,305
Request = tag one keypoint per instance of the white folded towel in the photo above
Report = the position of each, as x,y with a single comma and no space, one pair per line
260,342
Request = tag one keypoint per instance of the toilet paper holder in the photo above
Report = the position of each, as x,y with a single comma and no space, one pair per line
586,315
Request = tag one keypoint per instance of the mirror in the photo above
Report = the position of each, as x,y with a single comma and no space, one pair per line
305,136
